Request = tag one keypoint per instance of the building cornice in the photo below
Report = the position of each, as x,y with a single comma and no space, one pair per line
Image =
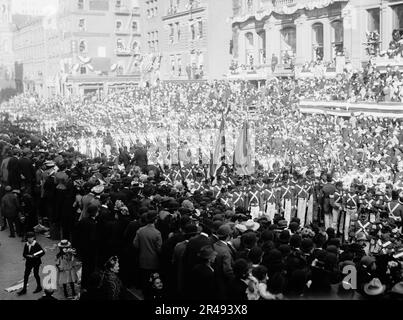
183,13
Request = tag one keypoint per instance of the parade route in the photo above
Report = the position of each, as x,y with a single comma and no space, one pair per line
12,270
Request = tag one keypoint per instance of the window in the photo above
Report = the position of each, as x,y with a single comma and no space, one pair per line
373,19
118,25
171,34
81,24
135,46
397,16
193,31
200,29
179,64
119,45
83,70
317,43
118,3
249,40
83,46
338,46
178,31
80,4
249,5
134,26
173,65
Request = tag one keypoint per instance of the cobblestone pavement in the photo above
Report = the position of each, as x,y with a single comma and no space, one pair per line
12,266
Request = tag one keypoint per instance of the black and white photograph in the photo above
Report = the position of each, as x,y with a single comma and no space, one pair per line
176,152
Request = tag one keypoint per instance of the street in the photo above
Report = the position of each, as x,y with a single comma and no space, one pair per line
12,266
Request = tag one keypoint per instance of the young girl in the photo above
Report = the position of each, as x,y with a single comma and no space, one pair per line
67,266
260,273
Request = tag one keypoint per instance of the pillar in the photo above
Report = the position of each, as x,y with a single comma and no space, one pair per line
272,39
241,48
327,40
386,25
303,42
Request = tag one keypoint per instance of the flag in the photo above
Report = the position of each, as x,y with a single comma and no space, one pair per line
219,152
168,156
243,163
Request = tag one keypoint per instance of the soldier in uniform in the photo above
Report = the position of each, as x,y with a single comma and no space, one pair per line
287,200
253,196
270,200
302,195
395,207
351,202
337,205
176,174
328,191
310,181
238,197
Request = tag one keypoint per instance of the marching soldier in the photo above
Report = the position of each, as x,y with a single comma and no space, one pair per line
302,195
310,181
337,205
351,202
253,197
176,174
270,200
395,207
328,191
238,197
287,203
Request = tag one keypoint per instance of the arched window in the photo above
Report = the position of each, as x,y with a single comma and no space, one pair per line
249,45
262,47
288,44
83,46
119,44
337,38
135,47
134,26
249,40
317,41
118,25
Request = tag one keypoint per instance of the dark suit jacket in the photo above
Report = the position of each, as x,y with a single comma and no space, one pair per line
35,249
237,290
10,206
204,283
27,169
86,238
14,173
140,158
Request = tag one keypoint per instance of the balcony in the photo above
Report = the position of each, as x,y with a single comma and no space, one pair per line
124,11
122,52
174,12
282,3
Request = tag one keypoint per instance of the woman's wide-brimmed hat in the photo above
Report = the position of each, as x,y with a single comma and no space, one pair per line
251,225
64,244
374,287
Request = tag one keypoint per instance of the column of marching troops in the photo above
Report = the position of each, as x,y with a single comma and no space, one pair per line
352,211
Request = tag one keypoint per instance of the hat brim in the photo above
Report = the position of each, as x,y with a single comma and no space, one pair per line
374,292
